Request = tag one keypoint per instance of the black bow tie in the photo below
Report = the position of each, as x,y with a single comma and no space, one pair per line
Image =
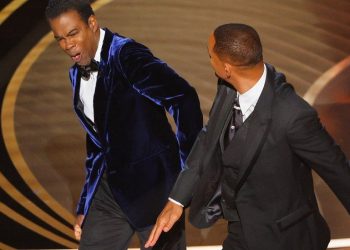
86,70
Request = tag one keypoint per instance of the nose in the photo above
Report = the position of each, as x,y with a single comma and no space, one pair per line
68,44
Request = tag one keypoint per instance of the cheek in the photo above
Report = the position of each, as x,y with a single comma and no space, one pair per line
85,45
62,44
212,64
215,67
79,42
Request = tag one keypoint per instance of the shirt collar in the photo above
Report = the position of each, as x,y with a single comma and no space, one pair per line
250,98
99,47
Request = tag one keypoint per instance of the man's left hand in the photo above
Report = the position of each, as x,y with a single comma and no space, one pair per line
165,221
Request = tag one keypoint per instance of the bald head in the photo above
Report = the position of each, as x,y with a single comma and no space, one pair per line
238,43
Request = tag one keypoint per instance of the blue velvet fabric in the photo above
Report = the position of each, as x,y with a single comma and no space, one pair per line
132,141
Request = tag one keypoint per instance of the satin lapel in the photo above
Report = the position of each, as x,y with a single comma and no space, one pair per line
103,88
257,130
223,114
226,119
78,106
258,125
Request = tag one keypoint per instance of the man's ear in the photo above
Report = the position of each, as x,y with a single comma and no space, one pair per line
92,21
227,69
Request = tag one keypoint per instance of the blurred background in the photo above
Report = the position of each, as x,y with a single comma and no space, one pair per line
42,149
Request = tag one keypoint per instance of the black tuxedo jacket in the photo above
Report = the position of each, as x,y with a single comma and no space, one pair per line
275,150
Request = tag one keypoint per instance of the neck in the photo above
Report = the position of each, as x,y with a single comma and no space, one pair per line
246,77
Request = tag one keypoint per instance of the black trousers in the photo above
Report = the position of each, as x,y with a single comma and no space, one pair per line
107,228
235,239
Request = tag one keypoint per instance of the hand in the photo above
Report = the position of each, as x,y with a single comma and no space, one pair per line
77,226
165,221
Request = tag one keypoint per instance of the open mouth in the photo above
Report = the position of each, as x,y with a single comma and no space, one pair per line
76,58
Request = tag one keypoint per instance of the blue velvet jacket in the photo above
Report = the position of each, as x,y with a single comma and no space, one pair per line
132,140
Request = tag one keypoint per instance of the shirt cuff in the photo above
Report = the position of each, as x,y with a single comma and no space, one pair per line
176,202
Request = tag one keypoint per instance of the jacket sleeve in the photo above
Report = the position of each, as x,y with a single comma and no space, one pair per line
311,142
155,80
186,182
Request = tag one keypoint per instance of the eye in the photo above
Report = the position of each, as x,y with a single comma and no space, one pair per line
58,39
73,33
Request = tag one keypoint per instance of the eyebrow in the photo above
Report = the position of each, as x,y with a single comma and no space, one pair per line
69,33
72,31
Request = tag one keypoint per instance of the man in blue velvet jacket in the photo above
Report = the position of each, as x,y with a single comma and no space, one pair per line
121,92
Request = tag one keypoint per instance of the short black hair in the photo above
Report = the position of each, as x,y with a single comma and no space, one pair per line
239,43
55,8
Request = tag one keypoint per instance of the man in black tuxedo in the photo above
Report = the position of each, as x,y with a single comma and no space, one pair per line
253,160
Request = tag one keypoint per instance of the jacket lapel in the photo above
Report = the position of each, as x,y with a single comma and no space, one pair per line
100,96
249,139
103,88
226,119
223,114
79,107
256,136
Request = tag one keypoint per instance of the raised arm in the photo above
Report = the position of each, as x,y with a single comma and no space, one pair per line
155,80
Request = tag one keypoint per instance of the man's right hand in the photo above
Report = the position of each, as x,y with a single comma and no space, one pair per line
77,226
165,221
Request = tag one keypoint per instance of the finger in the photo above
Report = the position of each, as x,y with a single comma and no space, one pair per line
172,220
77,232
150,237
154,236
77,235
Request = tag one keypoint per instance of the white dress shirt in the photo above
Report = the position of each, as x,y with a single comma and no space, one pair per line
247,102
87,87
